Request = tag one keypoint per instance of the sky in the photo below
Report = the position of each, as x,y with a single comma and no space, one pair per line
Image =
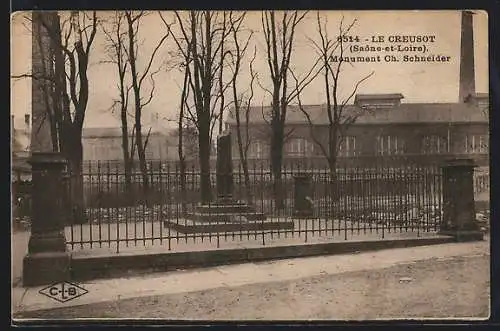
418,82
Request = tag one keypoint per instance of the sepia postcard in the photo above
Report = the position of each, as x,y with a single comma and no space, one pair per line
250,165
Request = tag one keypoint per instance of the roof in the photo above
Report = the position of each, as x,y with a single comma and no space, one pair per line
402,113
364,97
111,132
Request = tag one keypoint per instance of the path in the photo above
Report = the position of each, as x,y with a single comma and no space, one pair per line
266,287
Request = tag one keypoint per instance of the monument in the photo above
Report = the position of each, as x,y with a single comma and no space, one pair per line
303,203
225,214
459,219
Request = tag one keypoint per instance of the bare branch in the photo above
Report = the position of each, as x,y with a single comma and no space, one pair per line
153,86
355,89
312,127
151,59
263,87
305,81
147,139
40,77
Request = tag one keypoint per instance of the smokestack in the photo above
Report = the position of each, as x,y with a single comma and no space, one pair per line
467,78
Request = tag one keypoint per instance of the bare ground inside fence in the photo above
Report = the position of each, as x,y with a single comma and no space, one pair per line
152,233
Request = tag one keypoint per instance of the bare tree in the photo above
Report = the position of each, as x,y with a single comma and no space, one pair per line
222,86
181,132
241,106
279,38
199,37
340,117
116,37
66,88
138,78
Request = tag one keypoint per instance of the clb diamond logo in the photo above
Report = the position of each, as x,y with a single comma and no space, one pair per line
63,292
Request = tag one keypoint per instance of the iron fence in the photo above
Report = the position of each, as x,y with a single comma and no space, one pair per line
379,201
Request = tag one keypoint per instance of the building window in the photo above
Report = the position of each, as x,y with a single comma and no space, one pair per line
378,105
481,183
434,145
390,145
149,153
96,151
299,147
476,144
257,150
348,146
115,152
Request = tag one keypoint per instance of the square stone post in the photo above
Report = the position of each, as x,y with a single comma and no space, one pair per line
303,207
458,201
47,260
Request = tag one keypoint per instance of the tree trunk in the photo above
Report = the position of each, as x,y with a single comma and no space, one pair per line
246,174
204,158
244,164
243,156
141,153
74,156
180,145
332,162
182,170
182,167
126,158
137,105
277,139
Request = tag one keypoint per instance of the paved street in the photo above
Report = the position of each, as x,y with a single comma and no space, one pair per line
439,281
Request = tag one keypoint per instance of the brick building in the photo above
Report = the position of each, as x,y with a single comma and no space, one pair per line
386,128
20,142
105,144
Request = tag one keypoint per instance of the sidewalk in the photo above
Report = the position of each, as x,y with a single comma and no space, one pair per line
211,243
231,276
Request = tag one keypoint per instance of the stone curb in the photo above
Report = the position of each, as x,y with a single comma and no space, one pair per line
84,268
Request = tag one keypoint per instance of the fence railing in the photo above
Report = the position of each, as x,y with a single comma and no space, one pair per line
378,199
375,201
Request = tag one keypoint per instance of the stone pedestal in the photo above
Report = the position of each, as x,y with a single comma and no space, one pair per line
226,214
47,260
458,201
303,204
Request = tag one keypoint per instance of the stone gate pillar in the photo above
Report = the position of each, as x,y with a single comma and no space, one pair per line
459,216
47,260
303,195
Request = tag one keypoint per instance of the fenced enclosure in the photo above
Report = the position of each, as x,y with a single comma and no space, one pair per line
379,202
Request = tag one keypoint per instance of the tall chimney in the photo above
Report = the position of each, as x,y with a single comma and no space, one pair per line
467,78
